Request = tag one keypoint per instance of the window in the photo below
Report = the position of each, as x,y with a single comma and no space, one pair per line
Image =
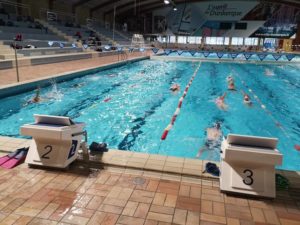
198,40
251,41
172,39
237,41
241,26
181,39
225,26
211,40
219,40
226,41
191,40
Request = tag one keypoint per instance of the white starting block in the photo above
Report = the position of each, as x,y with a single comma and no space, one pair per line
55,140
248,165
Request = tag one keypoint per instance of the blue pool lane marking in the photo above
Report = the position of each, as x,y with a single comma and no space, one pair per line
261,104
177,111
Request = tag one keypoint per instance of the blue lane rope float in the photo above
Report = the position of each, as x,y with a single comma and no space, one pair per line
167,51
247,55
276,56
261,56
220,54
179,52
155,50
261,104
177,111
290,56
192,52
234,55
206,54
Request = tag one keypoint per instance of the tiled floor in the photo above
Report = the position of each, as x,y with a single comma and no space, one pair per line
130,196
129,188
8,76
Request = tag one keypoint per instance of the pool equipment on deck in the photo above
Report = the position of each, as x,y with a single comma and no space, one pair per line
55,142
248,165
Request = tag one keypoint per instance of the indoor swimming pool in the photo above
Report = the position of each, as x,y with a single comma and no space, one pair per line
129,106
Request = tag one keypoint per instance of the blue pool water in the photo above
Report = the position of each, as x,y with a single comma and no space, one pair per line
129,107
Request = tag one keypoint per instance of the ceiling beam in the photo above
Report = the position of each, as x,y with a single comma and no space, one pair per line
77,4
128,6
105,4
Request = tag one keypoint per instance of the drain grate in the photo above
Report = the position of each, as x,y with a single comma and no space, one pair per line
138,181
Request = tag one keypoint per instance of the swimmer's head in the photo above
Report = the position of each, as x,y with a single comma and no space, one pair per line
217,125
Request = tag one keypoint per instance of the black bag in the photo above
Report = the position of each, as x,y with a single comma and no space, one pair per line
98,147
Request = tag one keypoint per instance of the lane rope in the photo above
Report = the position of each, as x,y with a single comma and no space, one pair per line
277,123
180,101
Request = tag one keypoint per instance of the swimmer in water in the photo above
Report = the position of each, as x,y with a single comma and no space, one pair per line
231,86
35,99
213,139
269,72
78,85
175,87
247,99
229,78
220,102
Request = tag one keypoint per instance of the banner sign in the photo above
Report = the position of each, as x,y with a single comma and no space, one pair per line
51,16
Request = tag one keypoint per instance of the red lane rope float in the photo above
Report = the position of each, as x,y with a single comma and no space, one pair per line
177,111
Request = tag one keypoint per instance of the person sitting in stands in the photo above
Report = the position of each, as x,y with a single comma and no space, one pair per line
15,46
2,23
78,34
18,37
175,87
220,102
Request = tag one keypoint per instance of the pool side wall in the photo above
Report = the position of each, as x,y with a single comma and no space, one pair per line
21,87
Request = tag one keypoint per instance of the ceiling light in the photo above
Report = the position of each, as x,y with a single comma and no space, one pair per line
175,8
166,2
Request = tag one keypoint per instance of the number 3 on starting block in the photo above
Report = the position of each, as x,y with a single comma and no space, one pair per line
247,178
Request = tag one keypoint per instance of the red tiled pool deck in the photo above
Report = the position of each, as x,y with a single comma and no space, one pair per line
124,195
8,76
128,188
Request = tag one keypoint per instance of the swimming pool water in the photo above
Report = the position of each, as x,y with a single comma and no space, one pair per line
129,107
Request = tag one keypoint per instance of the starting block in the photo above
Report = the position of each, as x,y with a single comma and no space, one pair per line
248,165
55,140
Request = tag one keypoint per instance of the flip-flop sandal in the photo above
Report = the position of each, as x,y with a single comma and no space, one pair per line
212,169
16,160
98,147
282,183
9,156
